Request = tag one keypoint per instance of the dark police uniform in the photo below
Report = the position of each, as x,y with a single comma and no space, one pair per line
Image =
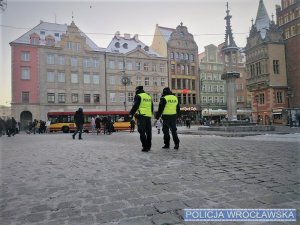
168,109
143,110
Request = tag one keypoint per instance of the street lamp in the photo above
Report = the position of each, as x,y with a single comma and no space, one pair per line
125,81
290,94
257,100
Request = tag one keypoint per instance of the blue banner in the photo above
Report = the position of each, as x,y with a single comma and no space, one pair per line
239,214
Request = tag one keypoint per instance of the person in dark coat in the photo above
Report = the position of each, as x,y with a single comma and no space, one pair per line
98,124
142,110
79,120
13,126
168,110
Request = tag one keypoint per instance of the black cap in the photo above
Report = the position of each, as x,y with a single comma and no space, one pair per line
139,88
166,90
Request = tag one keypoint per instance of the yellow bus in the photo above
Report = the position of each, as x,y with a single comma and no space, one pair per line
64,121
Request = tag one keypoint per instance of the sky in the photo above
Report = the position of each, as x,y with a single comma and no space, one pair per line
100,19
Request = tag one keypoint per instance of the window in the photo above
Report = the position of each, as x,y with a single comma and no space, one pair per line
178,83
51,97
25,56
74,98
130,97
77,46
138,66
162,68
96,79
194,99
61,60
182,69
34,40
154,81
221,99
121,65
74,78
138,81
50,41
172,55
125,45
122,97
163,81
192,58
56,34
129,65
25,73
50,76
50,59
73,61
112,97
112,80
86,79
147,81
69,45
86,63
111,64
96,63
193,85
279,97
146,66
261,98
276,66
155,98
221,88
181,55
87,98
61,77
25,97
96,98
61,97
117,44
172,68
204,99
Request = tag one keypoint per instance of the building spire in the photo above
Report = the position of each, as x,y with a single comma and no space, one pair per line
229,40
262,21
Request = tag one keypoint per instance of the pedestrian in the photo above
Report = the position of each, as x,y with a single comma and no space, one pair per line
158,126
142,110
168,110
79,120
13,126
132,125
93,124
98,124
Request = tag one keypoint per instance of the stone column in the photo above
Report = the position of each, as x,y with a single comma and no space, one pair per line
230,78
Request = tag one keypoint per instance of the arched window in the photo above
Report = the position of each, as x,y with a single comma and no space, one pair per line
172,55
117,44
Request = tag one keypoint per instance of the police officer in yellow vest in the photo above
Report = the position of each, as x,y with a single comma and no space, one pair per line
142,109
169,109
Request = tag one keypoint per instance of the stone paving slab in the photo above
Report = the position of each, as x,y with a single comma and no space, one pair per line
51,179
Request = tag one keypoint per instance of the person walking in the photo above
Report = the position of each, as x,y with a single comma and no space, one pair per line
168,110
132,125
158,126
98,124
142,110
79,120
93,124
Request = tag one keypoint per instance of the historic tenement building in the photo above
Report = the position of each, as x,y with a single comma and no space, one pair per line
288,20
131,63
265,62
56,67
179,47
212,92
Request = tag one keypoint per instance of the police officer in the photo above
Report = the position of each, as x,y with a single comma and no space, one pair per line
168,109
142,109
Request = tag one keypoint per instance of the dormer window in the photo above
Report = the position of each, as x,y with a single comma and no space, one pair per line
125,45
42,32
117,44
56,34
50,40
139,46
146,48
34,39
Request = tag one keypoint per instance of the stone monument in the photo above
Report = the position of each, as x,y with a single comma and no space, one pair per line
230,51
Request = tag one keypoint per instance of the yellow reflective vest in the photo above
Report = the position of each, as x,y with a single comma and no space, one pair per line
171,105
145,107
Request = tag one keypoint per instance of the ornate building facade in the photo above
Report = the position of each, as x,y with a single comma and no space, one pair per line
131,63
56,67
181,50
288,20
265,62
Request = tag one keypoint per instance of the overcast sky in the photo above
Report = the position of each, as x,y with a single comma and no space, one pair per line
100,19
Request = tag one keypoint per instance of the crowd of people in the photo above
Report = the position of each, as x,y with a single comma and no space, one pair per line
9,126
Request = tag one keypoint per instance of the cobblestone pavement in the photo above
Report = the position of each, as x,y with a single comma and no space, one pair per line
51,179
